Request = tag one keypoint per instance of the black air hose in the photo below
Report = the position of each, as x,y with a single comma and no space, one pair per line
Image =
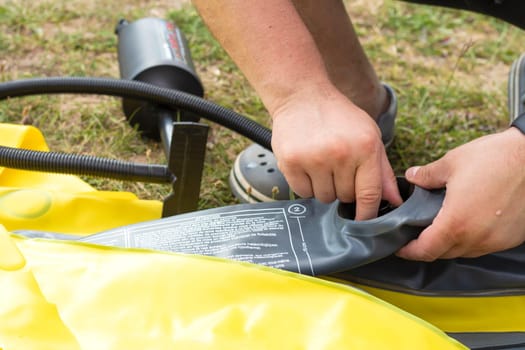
94,166
83,165
142,91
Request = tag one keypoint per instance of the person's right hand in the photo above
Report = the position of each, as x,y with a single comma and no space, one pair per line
329,148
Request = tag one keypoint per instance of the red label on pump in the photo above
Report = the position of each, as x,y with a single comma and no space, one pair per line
175,42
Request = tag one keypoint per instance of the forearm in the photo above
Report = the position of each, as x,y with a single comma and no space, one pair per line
269,43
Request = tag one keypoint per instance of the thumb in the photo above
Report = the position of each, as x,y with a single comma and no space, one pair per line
432,175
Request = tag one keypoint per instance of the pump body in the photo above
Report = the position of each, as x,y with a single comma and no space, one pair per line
155,51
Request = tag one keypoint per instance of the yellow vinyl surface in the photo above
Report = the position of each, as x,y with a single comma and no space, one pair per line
61,203
484,313
68,295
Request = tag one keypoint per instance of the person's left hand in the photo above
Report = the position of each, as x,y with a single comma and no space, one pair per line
484,207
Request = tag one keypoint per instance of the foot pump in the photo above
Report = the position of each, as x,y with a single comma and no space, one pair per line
155,51
161,96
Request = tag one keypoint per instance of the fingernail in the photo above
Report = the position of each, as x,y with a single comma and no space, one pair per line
411,173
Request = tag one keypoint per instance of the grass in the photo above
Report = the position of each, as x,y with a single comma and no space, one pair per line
449,69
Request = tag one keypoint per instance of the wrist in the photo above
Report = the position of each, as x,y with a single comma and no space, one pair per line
516,141
300,93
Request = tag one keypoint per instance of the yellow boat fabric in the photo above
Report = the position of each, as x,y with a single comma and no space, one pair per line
64,295
456,314
61,203
69,295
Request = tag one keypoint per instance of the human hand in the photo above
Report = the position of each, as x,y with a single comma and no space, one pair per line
483,210
329,148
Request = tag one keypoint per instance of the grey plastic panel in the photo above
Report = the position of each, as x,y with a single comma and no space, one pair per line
304,236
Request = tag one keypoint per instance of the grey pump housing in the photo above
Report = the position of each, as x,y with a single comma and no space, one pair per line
155,51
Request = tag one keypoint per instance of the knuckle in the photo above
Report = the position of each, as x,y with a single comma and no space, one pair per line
455,231
340,153
289,160
369,195
368,142
426,256
424,173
